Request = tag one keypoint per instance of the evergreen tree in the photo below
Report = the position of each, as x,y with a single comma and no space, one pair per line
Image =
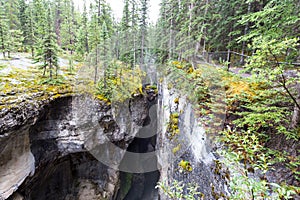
58,19
130,31
23,18
4,28
39,14
104,50
68,26
29,31
143,27
13,13
14,36
47,53
94,37
68,35
133,30
82,45
124,31
15,40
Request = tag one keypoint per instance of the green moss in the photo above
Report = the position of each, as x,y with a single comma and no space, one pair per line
20,84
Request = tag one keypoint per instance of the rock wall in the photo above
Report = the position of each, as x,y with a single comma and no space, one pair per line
47,150
190,143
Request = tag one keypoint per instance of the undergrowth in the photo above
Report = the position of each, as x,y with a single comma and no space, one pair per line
256,113
120,82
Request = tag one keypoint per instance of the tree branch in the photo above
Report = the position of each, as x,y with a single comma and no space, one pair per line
284,81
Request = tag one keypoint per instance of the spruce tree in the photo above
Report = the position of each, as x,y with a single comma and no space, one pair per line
14,36
40,19
68,30
29,29
95,30
124,31
82,45
143,28
47,53
104,51
23,18
4,28
15,39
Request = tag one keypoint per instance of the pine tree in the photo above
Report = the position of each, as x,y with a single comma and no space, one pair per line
68,35
4,28
143,28
15,41
14,36
94,36
13,13
82,46
133,30
101,15
130,32
29,31
39,14
23,18
104,50
124,31
167,27
47,53
58,20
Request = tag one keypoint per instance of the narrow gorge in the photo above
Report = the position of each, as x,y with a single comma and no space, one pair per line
78,147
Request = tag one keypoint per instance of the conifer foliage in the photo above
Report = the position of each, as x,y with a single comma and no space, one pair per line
47,53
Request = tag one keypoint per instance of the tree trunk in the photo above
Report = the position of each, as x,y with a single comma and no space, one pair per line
203,29
296,114
99,11
96,66
2,41
242,60
32,51
86,41
44,73
58,23
50,68
171,38
228,59
31,34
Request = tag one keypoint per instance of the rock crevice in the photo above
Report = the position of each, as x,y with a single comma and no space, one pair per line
47,149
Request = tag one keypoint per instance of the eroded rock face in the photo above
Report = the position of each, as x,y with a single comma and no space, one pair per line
49,153
190,143
16,161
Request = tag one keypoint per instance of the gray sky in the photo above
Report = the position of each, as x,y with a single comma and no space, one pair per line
117,7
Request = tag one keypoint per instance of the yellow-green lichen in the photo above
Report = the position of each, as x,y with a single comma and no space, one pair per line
185,165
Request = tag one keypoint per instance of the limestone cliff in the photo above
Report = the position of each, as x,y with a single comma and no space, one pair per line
46,147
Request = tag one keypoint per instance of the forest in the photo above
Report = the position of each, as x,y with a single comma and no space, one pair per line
237,61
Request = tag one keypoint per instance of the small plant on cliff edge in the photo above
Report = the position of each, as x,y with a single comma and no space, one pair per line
244,186
179,191
185,165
